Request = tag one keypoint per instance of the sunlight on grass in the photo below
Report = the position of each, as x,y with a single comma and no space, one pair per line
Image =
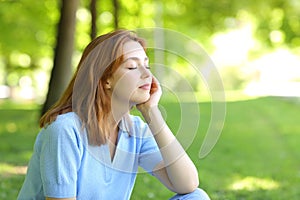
7,170
251,183
18,105
11,127
238,95
188,97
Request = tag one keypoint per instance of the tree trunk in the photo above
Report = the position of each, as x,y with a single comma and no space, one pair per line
93,9
116,13
62,68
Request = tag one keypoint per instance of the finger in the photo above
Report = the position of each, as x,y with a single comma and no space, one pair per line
155,82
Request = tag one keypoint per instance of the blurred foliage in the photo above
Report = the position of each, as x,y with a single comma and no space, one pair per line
27,35
28,27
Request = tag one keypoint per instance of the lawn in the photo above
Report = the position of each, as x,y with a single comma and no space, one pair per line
256,157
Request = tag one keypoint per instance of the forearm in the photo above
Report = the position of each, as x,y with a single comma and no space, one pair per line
181,171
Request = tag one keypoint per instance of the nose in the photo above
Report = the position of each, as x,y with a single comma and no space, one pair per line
145,73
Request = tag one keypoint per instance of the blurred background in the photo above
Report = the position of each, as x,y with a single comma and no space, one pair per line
255,46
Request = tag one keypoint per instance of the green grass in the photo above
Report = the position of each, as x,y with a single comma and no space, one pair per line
256,157
18,128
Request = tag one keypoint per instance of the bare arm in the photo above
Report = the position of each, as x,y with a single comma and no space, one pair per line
177,172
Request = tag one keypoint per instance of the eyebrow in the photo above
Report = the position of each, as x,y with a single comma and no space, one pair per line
135,59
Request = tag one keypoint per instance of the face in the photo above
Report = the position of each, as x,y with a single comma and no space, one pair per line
131,82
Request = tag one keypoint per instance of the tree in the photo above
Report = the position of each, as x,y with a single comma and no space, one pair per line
61,72
93,9
116,13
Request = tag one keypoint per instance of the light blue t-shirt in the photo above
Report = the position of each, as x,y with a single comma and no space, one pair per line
63,165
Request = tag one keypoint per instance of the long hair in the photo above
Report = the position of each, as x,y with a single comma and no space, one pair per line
86,94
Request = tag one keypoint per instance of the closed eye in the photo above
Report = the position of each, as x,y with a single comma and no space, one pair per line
145,65
132,65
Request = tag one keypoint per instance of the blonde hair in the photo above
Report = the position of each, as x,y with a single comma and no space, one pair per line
86,94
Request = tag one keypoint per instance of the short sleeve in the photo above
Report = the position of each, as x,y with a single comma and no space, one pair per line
150,154
60,159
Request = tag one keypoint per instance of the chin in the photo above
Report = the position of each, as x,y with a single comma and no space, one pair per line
141,99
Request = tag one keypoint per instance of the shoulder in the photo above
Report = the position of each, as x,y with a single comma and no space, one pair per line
66,126
69,118
65,131
66,121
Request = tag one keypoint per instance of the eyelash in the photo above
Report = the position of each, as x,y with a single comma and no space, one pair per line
132,68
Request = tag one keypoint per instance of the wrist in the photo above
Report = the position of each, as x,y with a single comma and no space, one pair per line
150,112
154,119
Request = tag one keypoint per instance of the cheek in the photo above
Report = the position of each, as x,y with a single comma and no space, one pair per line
125,86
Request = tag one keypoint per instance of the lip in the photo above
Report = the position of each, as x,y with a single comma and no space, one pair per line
145,86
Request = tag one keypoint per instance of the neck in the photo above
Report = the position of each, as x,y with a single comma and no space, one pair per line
114,120
119,109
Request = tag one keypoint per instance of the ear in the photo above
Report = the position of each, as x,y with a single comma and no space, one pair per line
107,84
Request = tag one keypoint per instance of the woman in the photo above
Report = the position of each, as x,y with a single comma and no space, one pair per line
90,147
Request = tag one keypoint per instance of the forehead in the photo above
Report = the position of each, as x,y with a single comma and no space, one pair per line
133,49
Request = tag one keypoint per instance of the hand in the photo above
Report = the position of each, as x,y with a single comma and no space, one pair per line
155,94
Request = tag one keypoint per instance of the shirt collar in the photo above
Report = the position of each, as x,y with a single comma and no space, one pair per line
126,125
